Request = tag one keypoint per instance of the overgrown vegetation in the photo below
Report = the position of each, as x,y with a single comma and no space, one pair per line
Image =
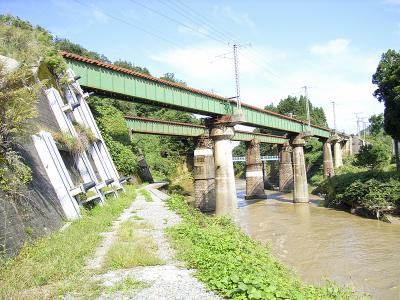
30,46
54,265
147,195
70,143
235,266
367,180
131,249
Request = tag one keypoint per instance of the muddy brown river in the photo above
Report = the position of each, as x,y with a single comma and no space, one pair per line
319,243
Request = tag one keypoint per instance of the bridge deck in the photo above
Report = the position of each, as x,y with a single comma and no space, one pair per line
152,126
135,86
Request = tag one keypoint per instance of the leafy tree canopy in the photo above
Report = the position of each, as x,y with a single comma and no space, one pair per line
128,65
171,77
376,124
387,78
66,45
296,107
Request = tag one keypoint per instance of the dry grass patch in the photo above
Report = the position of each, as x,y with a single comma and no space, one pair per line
132,249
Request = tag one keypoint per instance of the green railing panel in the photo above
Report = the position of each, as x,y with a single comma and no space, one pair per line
109,80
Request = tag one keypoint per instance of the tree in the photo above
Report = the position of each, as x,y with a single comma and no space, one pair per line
128,65
387,78
376,124
374,156
171,77
296,107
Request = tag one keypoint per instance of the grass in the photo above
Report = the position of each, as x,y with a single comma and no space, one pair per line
132,249
234,265
127,287
146,194
54,265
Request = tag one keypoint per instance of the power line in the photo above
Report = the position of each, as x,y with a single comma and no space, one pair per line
188,13
130,24
177,22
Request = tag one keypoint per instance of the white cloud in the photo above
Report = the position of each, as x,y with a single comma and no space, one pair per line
392,2
333,47
342,75
239,18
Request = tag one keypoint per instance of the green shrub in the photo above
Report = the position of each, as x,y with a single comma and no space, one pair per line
371,189
110,120
232,264
374,156
124,159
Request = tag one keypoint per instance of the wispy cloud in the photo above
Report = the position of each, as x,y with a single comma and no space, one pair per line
392,2
333,47
228,12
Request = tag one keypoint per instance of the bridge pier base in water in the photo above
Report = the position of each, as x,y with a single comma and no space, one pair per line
204,175
225,188
285,168
337,151
300,191
254,171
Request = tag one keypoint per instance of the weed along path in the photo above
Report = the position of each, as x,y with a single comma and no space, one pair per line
136,259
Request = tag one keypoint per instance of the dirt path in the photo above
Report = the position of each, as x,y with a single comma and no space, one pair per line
168,281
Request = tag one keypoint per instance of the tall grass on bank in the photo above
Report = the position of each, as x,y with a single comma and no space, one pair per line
58,260
235,266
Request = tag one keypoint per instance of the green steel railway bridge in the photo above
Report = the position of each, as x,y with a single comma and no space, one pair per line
214,177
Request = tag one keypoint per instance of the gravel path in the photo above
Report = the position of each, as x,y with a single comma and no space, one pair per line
169,281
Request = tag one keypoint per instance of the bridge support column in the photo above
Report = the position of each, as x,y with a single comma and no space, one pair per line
224,176
254,171
285,168
328,161
337,151
204,175
300,191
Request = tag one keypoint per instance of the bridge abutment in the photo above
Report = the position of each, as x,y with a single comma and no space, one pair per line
300,191
204,175
254,171
285,168
225,189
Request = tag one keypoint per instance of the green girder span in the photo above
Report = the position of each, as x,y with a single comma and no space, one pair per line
152,126
129,85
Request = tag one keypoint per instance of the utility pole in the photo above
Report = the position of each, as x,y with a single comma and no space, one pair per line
235,58
334,115
358,125
307,107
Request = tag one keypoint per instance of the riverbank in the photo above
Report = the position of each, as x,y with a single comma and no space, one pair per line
368,193
233,264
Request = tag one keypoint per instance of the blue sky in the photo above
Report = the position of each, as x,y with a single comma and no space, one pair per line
331,46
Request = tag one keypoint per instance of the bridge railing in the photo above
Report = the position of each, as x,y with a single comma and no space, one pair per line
263,158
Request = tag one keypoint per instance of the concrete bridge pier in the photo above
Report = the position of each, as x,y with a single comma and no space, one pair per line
285,168
337,151
204,175
300,191
224,174
328,161
254,171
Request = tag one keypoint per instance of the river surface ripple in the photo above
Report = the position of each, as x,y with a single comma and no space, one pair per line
320,243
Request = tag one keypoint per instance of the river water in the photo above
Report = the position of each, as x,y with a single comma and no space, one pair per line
319,243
